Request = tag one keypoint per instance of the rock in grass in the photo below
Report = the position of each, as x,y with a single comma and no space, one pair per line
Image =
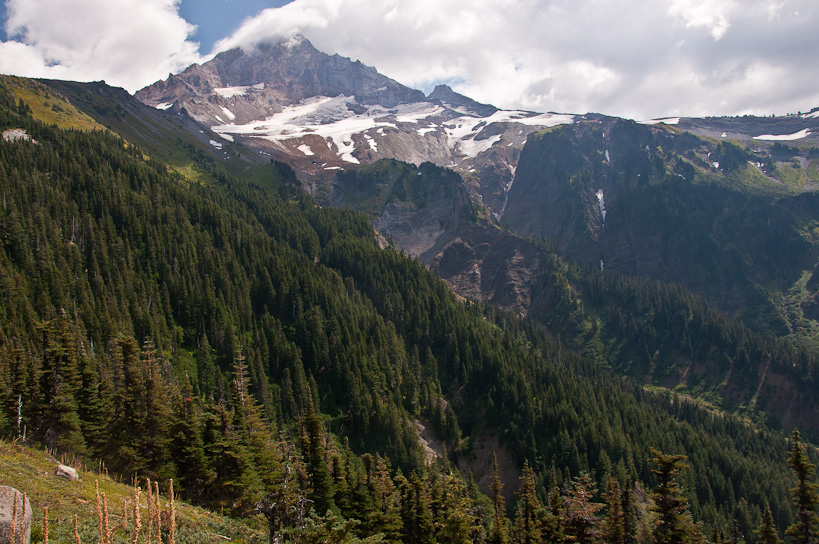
69,473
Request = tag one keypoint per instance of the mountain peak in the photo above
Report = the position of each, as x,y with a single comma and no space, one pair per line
289,70
446,95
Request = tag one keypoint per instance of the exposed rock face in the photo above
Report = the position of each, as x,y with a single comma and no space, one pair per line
7,497
488,264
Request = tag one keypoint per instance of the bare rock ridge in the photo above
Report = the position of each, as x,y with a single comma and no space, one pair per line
279,73
321,113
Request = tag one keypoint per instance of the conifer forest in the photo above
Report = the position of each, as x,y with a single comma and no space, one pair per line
277,362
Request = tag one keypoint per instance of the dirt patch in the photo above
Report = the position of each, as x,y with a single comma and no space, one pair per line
479,461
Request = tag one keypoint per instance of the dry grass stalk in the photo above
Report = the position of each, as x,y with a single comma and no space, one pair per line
150,511
172,530
21,533
157,517
105,527
76,532
137,520
99,511
124,523
45,525
14,518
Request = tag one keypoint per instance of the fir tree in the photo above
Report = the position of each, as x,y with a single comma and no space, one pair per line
526,529
614,531
805,495
767,530
315,456
674,524
499,532
581,517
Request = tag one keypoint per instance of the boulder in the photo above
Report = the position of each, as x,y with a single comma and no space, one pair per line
69,473
7,498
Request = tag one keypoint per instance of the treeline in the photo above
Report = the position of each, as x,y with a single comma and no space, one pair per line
248,343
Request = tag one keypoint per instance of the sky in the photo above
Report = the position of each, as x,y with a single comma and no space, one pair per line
639,59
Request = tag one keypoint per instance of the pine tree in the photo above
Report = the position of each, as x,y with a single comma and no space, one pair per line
499,533
416,517
629,513
581,517
805,495
527,522
614,531
60,381
385,516
767,530
195,473
315,456
674,524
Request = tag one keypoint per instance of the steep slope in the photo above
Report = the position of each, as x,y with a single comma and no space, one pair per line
231,289
733,224
321,113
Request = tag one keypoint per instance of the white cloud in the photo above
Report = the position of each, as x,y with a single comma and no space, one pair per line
128,43
639,58
642,58
712,15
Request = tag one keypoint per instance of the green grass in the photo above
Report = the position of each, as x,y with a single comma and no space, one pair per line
48,106
32,471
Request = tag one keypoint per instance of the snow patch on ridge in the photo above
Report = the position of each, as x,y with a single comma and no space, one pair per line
228,113
239,90
304,148
412,113
665,120
163,106
784,137
324,116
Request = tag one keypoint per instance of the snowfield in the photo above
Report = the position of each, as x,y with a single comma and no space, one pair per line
666,120
333,119
784,137
230,92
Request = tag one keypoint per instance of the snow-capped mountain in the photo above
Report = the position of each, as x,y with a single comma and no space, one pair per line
322,113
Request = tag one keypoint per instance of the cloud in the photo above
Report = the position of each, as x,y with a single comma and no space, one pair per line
641,58
638,58
128,43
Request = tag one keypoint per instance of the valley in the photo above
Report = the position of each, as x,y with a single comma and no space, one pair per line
283,262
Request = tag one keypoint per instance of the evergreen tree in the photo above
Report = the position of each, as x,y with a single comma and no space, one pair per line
629,513
384,518
805,494
580,518
315,456
526,529
61,424
674,524
499,533
614,531
416,517
767,530
195,474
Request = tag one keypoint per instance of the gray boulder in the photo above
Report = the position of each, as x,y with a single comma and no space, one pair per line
67,472
7,498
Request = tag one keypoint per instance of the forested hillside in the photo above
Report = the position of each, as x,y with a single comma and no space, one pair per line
269,356
733,222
